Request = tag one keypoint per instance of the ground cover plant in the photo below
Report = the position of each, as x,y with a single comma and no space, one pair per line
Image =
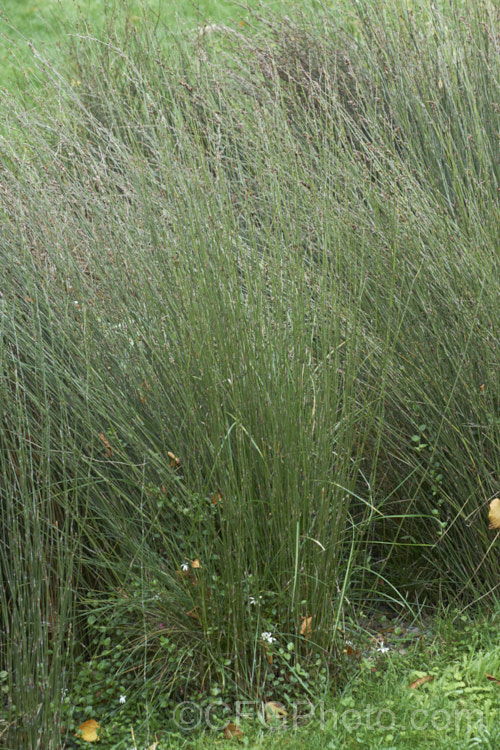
248,359
432,691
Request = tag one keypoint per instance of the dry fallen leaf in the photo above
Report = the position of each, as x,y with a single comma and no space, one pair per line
88,731
109,450
196,564
232,732
306,627
174,461
494,514
493,679
421,681
275,711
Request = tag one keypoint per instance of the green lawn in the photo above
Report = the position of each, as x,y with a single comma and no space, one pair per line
45,24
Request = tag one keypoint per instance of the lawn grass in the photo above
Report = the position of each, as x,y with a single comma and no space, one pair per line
249,373
46,24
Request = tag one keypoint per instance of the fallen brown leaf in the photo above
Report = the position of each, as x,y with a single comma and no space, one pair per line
306,627
232,732
109,450
174,461
493,679
421,681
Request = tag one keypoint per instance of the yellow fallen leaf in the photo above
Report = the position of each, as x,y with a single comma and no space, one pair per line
232,732
275,711
196,564
174,461
494,514
306,627
88,731
421,681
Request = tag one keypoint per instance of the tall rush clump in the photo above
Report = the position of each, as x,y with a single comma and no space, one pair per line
247,349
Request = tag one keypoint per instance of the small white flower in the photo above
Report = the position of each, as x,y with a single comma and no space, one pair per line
185,567
268,637
123,698
383,649
254,600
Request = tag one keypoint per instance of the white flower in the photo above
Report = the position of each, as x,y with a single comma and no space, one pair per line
123,698
254,600
383,649
185,567
268,637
